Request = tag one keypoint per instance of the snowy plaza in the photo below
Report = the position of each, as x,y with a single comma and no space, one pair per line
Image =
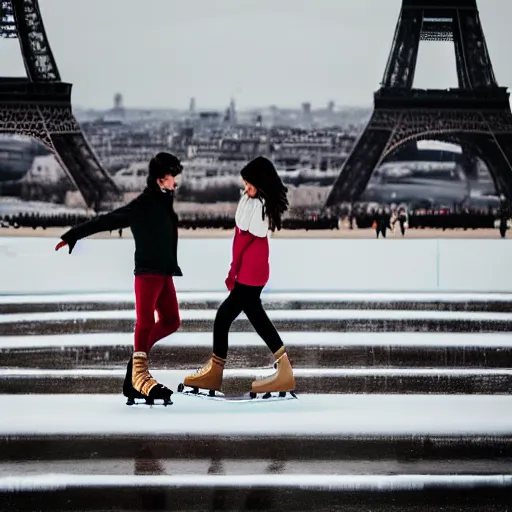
401,353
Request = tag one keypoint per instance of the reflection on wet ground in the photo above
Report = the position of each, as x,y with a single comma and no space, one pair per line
151,466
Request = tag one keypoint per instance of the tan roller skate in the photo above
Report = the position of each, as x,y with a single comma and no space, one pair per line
208,377
282,381
144,383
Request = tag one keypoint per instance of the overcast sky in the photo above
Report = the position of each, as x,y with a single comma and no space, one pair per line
159,53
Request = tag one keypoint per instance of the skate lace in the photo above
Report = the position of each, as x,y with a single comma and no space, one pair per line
204,369
276,363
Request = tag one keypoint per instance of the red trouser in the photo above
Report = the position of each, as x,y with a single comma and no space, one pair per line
154,292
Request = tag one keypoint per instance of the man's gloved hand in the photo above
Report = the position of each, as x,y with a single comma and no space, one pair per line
63,244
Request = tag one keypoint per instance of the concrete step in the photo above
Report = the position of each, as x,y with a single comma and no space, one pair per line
258,492
77,322
184,350
327,427
491,302
238,381
486,453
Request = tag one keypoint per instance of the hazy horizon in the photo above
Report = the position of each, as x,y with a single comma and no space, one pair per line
161,54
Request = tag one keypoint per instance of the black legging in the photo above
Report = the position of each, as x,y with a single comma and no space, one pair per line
247,299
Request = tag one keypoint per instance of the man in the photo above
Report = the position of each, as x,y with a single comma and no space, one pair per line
154,225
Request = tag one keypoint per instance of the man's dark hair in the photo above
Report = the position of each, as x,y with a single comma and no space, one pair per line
162,165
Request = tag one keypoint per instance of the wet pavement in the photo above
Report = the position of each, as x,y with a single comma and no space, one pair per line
259,492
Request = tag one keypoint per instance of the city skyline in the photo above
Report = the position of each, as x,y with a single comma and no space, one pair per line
169,51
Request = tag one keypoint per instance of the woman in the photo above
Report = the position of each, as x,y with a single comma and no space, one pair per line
154,225
260,209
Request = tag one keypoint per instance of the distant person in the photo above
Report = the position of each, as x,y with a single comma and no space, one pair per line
503,227
260,209
402,220
154,225
381,222
504,218
375,222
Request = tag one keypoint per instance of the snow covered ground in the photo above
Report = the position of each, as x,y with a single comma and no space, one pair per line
173,377
244,339
106,265
304,315
381,483
308,416
313,271
184,296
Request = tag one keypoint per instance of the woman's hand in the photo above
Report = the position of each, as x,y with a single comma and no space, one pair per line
230,282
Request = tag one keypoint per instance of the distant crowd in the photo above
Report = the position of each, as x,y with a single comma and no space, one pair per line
37,220
381,220
437,219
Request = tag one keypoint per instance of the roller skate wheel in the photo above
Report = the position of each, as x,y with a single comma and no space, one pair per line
181,387
252,394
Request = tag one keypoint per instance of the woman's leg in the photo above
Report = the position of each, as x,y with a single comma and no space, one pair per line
259,319
168,314
282,380
226,315
210,375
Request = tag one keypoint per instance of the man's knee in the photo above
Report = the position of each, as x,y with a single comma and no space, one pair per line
170,323
174,325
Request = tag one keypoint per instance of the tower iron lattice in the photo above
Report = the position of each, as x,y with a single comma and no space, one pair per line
475,115
39,105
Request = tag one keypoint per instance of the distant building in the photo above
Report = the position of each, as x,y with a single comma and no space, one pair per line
307,117
117,113
192,106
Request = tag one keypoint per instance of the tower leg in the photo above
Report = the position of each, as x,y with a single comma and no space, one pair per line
57,129
469,162
365,156
471,48
402,59
82,164
496,151
38,58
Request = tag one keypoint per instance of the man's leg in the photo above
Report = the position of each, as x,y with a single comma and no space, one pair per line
167,308
147,291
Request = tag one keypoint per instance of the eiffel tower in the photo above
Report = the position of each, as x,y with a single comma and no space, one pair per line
476,115
39,105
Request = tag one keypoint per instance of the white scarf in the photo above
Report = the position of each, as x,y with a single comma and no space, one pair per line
249,216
